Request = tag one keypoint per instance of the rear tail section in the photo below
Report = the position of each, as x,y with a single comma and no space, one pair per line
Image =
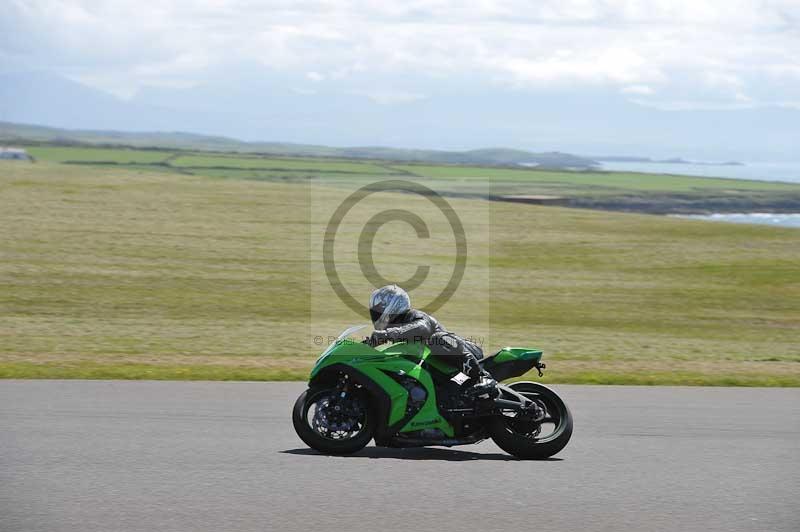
512,362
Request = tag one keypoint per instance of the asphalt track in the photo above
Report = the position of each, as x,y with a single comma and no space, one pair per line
179,456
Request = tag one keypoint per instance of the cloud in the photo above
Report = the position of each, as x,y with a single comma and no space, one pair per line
389,97
716,52
638,89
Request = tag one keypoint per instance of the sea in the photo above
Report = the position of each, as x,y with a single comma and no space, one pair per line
765,218
787,172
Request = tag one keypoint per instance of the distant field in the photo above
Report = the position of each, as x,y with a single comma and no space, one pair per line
265,174
202,161
599,190
93,155
144,272
604,182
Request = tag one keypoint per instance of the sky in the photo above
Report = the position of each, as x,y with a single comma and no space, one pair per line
666,55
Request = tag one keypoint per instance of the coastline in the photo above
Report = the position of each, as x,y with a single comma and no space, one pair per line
666,204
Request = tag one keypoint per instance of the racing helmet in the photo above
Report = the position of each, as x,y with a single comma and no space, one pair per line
386,303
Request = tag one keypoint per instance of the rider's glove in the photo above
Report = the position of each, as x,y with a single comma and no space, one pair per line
378,338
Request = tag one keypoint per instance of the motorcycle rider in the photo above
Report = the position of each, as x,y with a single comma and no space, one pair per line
394,320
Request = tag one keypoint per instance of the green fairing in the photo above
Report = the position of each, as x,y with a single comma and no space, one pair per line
373,363
406,359
508,354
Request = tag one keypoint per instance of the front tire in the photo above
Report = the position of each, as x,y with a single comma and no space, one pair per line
329,430
522,438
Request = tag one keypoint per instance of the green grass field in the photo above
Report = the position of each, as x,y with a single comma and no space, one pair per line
94,155
269,163
593,189
595,181
143,272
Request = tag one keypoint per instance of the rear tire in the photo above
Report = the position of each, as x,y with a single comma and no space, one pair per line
532,448
324,444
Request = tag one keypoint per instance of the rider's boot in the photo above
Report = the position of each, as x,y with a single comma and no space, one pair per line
481,383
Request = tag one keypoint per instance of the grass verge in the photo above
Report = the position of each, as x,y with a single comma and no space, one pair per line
125,371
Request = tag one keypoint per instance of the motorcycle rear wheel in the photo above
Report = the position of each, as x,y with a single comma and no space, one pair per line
320,432
520,437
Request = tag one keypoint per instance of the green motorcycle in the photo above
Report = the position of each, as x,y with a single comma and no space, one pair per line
402,397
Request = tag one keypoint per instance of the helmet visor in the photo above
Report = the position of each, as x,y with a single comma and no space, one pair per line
387,303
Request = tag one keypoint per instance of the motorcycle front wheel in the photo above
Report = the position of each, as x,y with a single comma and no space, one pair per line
332,424
529,439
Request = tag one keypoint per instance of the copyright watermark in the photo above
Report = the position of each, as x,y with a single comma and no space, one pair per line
328,340
366,242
